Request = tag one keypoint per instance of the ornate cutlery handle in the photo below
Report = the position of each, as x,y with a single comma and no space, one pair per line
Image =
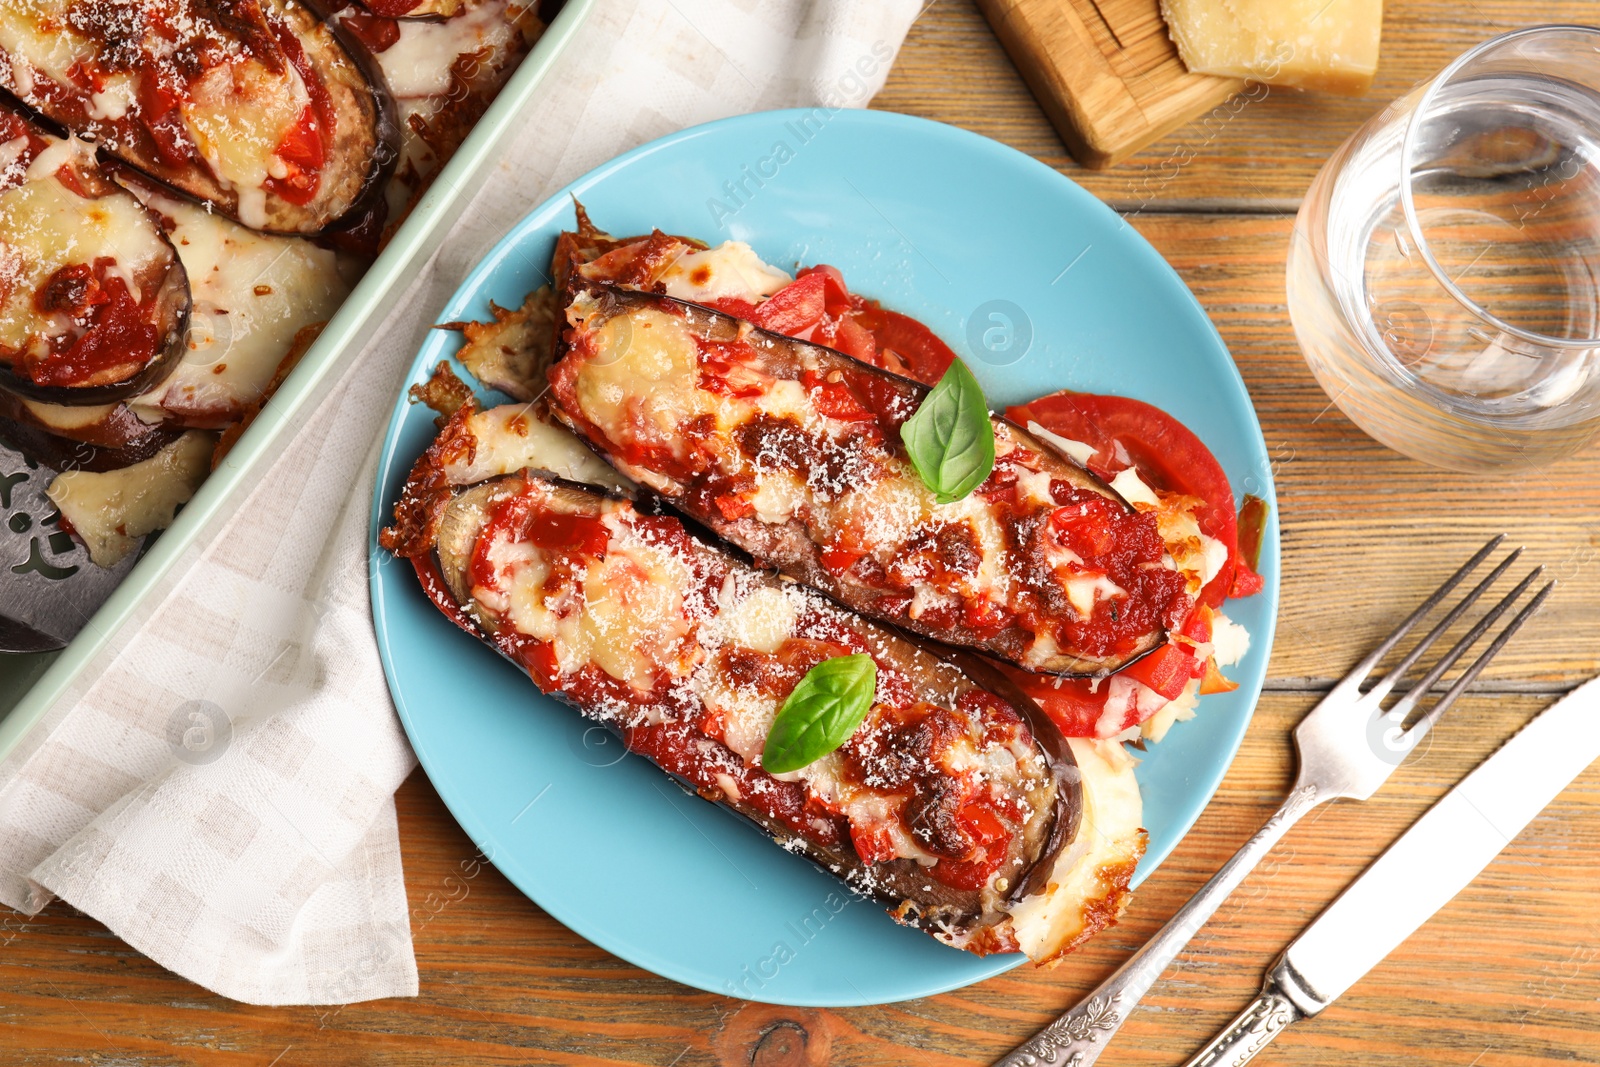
1077,1038
1247,1035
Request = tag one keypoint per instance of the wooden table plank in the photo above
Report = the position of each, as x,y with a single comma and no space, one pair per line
1261,150
502,983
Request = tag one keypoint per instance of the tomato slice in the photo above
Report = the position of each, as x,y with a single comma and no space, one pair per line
732,305
795,309
303,145
1166,670
818,300
835,294
922,355
854,340
1166,453
1071,703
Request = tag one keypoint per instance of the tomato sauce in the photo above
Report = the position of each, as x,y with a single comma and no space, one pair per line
304,149
114,336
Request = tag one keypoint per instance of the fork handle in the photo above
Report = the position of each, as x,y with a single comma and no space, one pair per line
1246,1036
1077,1038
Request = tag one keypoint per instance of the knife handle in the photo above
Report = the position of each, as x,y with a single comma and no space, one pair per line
1247,1035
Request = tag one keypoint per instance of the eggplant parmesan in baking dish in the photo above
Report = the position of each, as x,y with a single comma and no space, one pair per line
127,407
94,301
953,800
257,107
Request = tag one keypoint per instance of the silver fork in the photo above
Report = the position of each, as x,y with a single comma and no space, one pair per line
1348,746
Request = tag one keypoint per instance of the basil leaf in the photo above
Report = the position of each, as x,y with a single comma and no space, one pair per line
821,712
949,438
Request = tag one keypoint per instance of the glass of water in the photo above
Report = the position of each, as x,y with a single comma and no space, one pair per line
1444,271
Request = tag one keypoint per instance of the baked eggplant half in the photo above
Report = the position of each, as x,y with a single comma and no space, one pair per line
791,451
94,301
256,107
958,806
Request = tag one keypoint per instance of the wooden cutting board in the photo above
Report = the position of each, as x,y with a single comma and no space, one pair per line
1105,72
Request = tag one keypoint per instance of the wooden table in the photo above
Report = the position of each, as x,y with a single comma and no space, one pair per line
1506,974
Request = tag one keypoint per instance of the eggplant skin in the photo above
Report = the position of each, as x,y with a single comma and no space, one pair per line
357,157
111,428
789,545
438,524
55,222
64,454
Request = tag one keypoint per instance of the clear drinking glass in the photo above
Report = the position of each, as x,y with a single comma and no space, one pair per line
1444,272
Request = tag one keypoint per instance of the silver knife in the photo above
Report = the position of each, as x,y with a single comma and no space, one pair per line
1419,874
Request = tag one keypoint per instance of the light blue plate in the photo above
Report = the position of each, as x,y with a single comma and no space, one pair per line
938,223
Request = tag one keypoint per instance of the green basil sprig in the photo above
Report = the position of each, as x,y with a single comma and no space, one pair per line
949,439
821,712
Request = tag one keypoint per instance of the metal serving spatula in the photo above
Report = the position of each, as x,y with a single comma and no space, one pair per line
1434,860
48,587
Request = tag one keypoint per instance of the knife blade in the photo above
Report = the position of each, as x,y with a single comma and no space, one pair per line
1430,864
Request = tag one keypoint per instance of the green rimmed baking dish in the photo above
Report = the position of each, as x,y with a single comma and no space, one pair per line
31,684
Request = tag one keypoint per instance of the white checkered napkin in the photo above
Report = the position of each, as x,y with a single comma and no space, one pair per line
219,791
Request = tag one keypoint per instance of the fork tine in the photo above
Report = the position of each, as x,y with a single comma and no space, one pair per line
1404,706
1360,671
1459,686
1390,680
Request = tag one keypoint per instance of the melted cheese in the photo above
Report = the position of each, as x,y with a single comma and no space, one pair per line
757,616
1076,449
1084,591
511,438
417,66
111,511
1128,483
1180,709
64,418
252,293
732,269
1229,641
34,45
648,371
761,619
237,115
45,226
482,42
1092,875
628,616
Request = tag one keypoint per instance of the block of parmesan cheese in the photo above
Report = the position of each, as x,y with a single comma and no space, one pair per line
1308,44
